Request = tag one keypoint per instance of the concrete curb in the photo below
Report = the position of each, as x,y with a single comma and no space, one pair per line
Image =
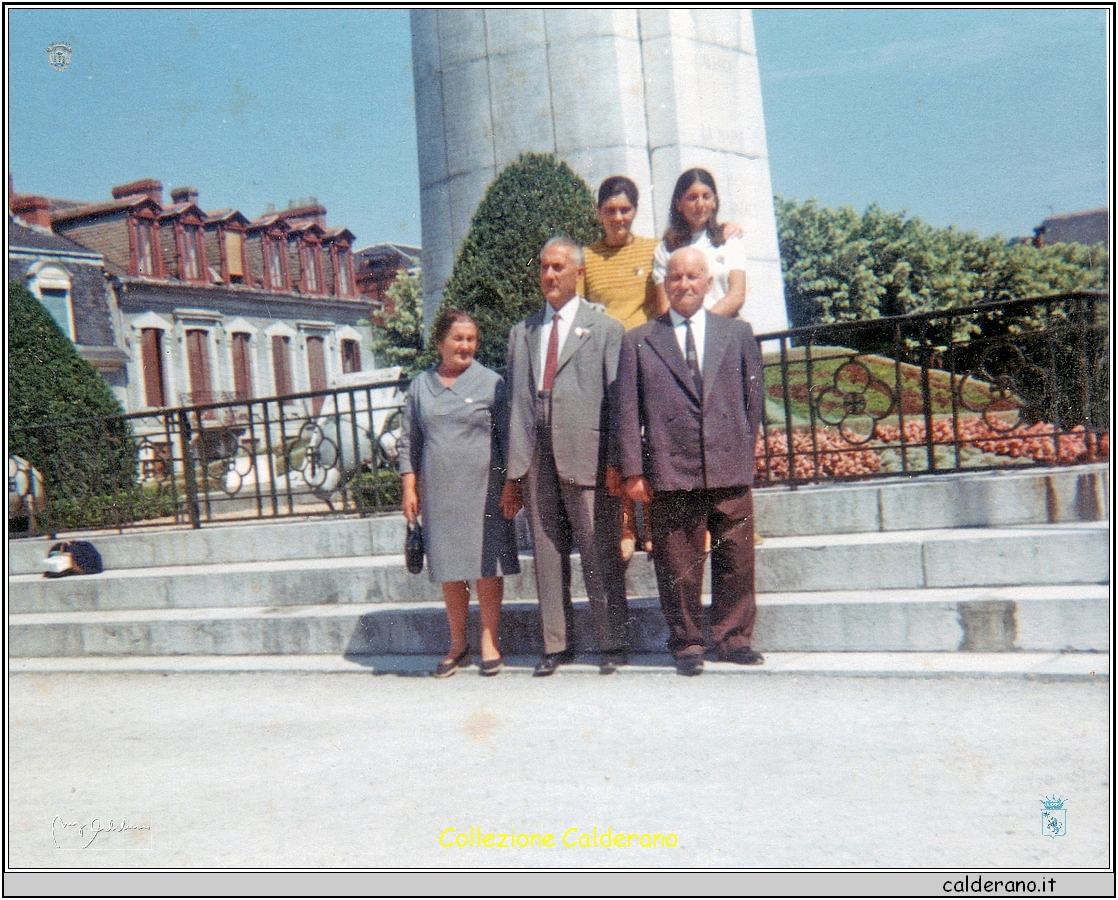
1076,666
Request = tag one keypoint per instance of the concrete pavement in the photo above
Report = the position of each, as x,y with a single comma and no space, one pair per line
793,770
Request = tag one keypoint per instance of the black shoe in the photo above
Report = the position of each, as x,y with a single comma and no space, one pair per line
743,656
689,665
612,660
549,662
447,667
491,667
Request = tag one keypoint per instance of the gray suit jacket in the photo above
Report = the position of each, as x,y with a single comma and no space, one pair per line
581,397
686,445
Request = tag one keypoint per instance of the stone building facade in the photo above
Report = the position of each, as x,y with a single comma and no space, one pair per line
215,306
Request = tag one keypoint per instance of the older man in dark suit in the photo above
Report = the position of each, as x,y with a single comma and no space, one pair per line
562,366
690,402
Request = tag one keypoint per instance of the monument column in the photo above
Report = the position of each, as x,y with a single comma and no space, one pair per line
646,94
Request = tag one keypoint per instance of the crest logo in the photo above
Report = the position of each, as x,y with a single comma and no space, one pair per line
1053,818
59,54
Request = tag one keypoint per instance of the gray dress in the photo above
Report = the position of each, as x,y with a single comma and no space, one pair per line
453,440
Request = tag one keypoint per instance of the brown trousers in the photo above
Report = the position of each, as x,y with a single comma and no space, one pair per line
680,521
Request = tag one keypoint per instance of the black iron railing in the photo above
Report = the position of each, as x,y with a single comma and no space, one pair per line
299,454
1014,383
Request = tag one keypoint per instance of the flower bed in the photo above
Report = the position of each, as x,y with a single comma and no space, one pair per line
979,444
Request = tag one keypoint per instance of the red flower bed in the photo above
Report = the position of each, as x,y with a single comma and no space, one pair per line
838,457
1037,442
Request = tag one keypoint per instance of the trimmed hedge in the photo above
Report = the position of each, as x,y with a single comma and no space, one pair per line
496,278
48,384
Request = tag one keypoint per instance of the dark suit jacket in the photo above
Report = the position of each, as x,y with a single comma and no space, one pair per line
687,446
581,397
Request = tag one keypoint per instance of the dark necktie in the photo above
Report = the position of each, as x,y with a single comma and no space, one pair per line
693,359
552,361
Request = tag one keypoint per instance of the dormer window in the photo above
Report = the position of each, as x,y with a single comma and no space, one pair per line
275,262
341,260
341,272
275,266
192,252
235,257
310,261
144,231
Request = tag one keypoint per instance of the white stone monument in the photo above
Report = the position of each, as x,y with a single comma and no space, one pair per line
646,93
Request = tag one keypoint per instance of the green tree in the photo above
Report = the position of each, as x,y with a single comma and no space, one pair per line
496,278
398,338
49,384
842,266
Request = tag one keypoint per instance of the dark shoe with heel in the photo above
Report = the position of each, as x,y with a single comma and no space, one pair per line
448,667
491,667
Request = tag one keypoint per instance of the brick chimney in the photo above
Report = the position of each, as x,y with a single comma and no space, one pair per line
147,186
184,195
33,210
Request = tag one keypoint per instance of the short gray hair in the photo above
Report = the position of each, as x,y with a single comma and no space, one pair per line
561,240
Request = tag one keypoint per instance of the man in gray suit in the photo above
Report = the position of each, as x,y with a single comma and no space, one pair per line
690,402
562,366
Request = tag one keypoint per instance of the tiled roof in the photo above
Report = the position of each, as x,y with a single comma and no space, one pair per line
269,219
1089,227
387,251
22,236
220,215
305,226
177,209
92,209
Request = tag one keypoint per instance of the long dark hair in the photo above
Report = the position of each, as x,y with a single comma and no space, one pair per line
679,232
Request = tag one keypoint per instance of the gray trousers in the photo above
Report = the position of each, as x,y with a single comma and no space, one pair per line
558,513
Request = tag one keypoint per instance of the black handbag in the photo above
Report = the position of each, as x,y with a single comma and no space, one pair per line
413,548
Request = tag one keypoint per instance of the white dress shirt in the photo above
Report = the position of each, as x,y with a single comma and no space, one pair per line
698,326
566,319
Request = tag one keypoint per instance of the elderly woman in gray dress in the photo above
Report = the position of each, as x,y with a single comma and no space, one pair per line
452,458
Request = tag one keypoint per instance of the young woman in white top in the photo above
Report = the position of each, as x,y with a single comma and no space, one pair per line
693,221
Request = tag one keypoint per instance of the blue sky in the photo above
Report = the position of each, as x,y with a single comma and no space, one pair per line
988,119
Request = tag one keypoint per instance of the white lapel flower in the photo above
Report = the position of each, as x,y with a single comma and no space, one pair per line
579,332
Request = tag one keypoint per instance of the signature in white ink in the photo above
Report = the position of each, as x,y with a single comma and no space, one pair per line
87,832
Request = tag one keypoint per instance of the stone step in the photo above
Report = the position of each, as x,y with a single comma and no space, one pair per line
265,541
1034,618
1000,498
937,558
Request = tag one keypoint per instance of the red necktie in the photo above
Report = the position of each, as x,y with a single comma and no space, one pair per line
552,361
